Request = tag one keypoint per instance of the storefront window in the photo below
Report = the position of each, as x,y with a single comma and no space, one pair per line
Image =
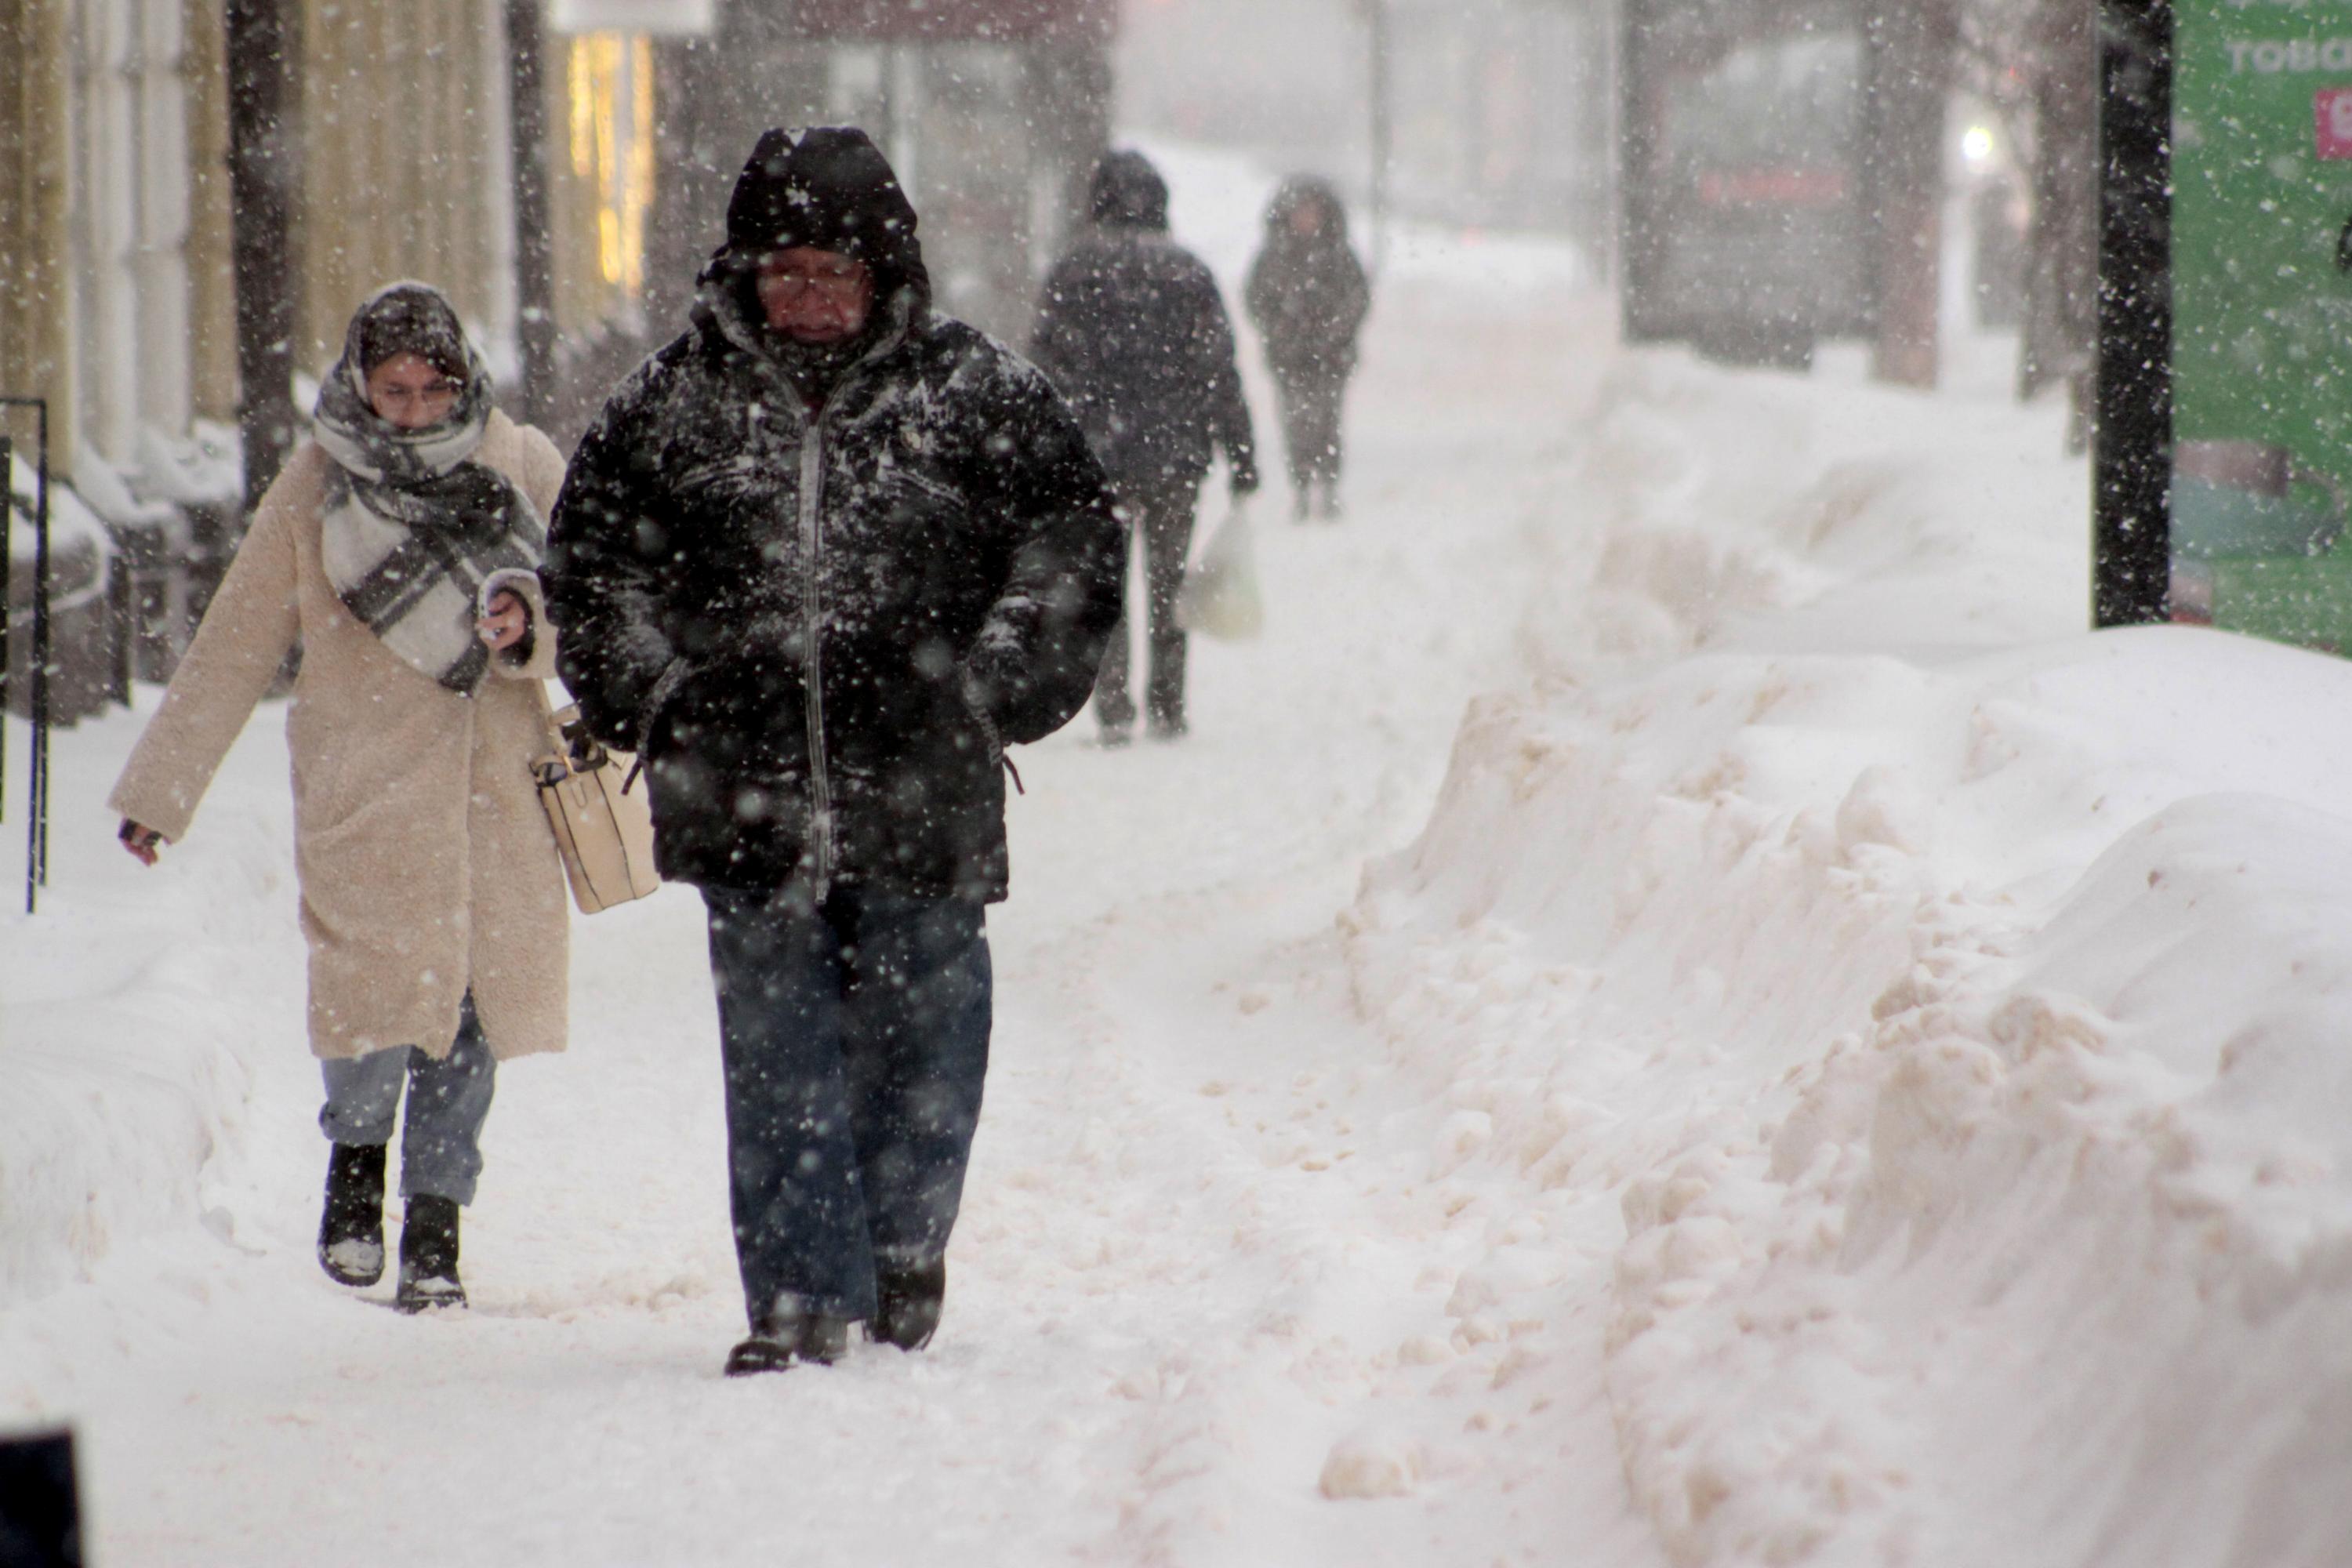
611,155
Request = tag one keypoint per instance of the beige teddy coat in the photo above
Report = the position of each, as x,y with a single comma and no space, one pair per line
426,860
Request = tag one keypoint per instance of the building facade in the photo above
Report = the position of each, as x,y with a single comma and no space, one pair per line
117,300
1503,113
117,293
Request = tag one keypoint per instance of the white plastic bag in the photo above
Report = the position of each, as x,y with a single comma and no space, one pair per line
1220,596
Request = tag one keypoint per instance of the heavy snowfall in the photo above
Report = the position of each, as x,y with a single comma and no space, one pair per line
1676,1007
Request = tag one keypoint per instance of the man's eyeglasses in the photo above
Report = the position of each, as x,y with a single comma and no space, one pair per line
832,285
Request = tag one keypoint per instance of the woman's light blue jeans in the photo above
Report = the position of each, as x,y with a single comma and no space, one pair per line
448,1101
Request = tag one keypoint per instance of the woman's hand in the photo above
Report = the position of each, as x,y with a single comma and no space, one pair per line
140,839
506,622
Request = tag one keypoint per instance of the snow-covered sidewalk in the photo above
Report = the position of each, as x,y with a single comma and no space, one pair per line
1193,1262
1840,1067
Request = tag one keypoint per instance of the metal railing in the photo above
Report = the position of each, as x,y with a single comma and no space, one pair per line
36,662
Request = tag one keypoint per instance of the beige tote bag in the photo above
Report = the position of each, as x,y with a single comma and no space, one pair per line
603,826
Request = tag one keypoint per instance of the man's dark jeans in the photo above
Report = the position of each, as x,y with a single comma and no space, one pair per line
855,1036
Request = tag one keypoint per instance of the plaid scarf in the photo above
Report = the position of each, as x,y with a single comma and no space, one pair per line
414,527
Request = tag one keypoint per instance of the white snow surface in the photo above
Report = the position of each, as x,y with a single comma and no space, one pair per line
1827,1062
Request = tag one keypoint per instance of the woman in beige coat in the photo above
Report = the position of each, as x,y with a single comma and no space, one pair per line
398,549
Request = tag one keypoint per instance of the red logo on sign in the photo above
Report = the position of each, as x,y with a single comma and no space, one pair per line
2333,109
1808,187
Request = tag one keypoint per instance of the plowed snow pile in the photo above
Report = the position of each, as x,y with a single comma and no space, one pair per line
1958,1011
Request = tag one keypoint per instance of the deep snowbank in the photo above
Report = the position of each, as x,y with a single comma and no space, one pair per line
129,1009
1960,1030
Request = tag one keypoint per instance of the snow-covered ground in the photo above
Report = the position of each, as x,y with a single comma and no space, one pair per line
1827,1062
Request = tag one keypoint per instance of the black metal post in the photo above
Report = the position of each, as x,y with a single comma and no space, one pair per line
7,561
40,1506
887,109
37,790
2132,447
36,806
1377,14
534,236
263,175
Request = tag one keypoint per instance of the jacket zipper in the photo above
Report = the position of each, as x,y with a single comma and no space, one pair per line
813,619
811,648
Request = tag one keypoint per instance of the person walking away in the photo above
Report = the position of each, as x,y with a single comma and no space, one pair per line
1307,296
398,549
1131,328
818,560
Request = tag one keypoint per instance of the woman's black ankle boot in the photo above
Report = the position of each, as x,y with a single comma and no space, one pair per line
351,1231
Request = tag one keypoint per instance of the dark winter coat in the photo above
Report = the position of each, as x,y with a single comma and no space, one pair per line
822,622
1132,330
1306,293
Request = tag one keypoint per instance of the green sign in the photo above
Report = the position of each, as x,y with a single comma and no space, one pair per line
2262,318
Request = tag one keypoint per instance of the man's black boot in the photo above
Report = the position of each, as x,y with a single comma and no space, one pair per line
910,1300
428,1255
351,1231
776,1342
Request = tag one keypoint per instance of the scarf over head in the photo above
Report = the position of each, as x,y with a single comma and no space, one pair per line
414,528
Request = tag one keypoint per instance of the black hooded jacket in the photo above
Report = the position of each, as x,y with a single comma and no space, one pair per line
820,592
1132,329
1306,292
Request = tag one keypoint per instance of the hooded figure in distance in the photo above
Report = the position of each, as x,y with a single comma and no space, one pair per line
1307,297
818,562
1132,329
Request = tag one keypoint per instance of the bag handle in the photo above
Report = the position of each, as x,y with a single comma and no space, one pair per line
555,765
572,750
571,744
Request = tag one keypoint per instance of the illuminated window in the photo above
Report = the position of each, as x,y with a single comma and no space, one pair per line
612,146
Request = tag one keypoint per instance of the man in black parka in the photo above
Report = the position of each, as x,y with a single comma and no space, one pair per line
1132,329
818,562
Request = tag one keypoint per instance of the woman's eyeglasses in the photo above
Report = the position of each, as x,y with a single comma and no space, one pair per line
432,392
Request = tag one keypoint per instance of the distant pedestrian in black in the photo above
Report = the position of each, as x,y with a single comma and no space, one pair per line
1133,331
1307,296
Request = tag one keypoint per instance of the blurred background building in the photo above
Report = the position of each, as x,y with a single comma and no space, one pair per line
568,223
1489,113
118,297
994,112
